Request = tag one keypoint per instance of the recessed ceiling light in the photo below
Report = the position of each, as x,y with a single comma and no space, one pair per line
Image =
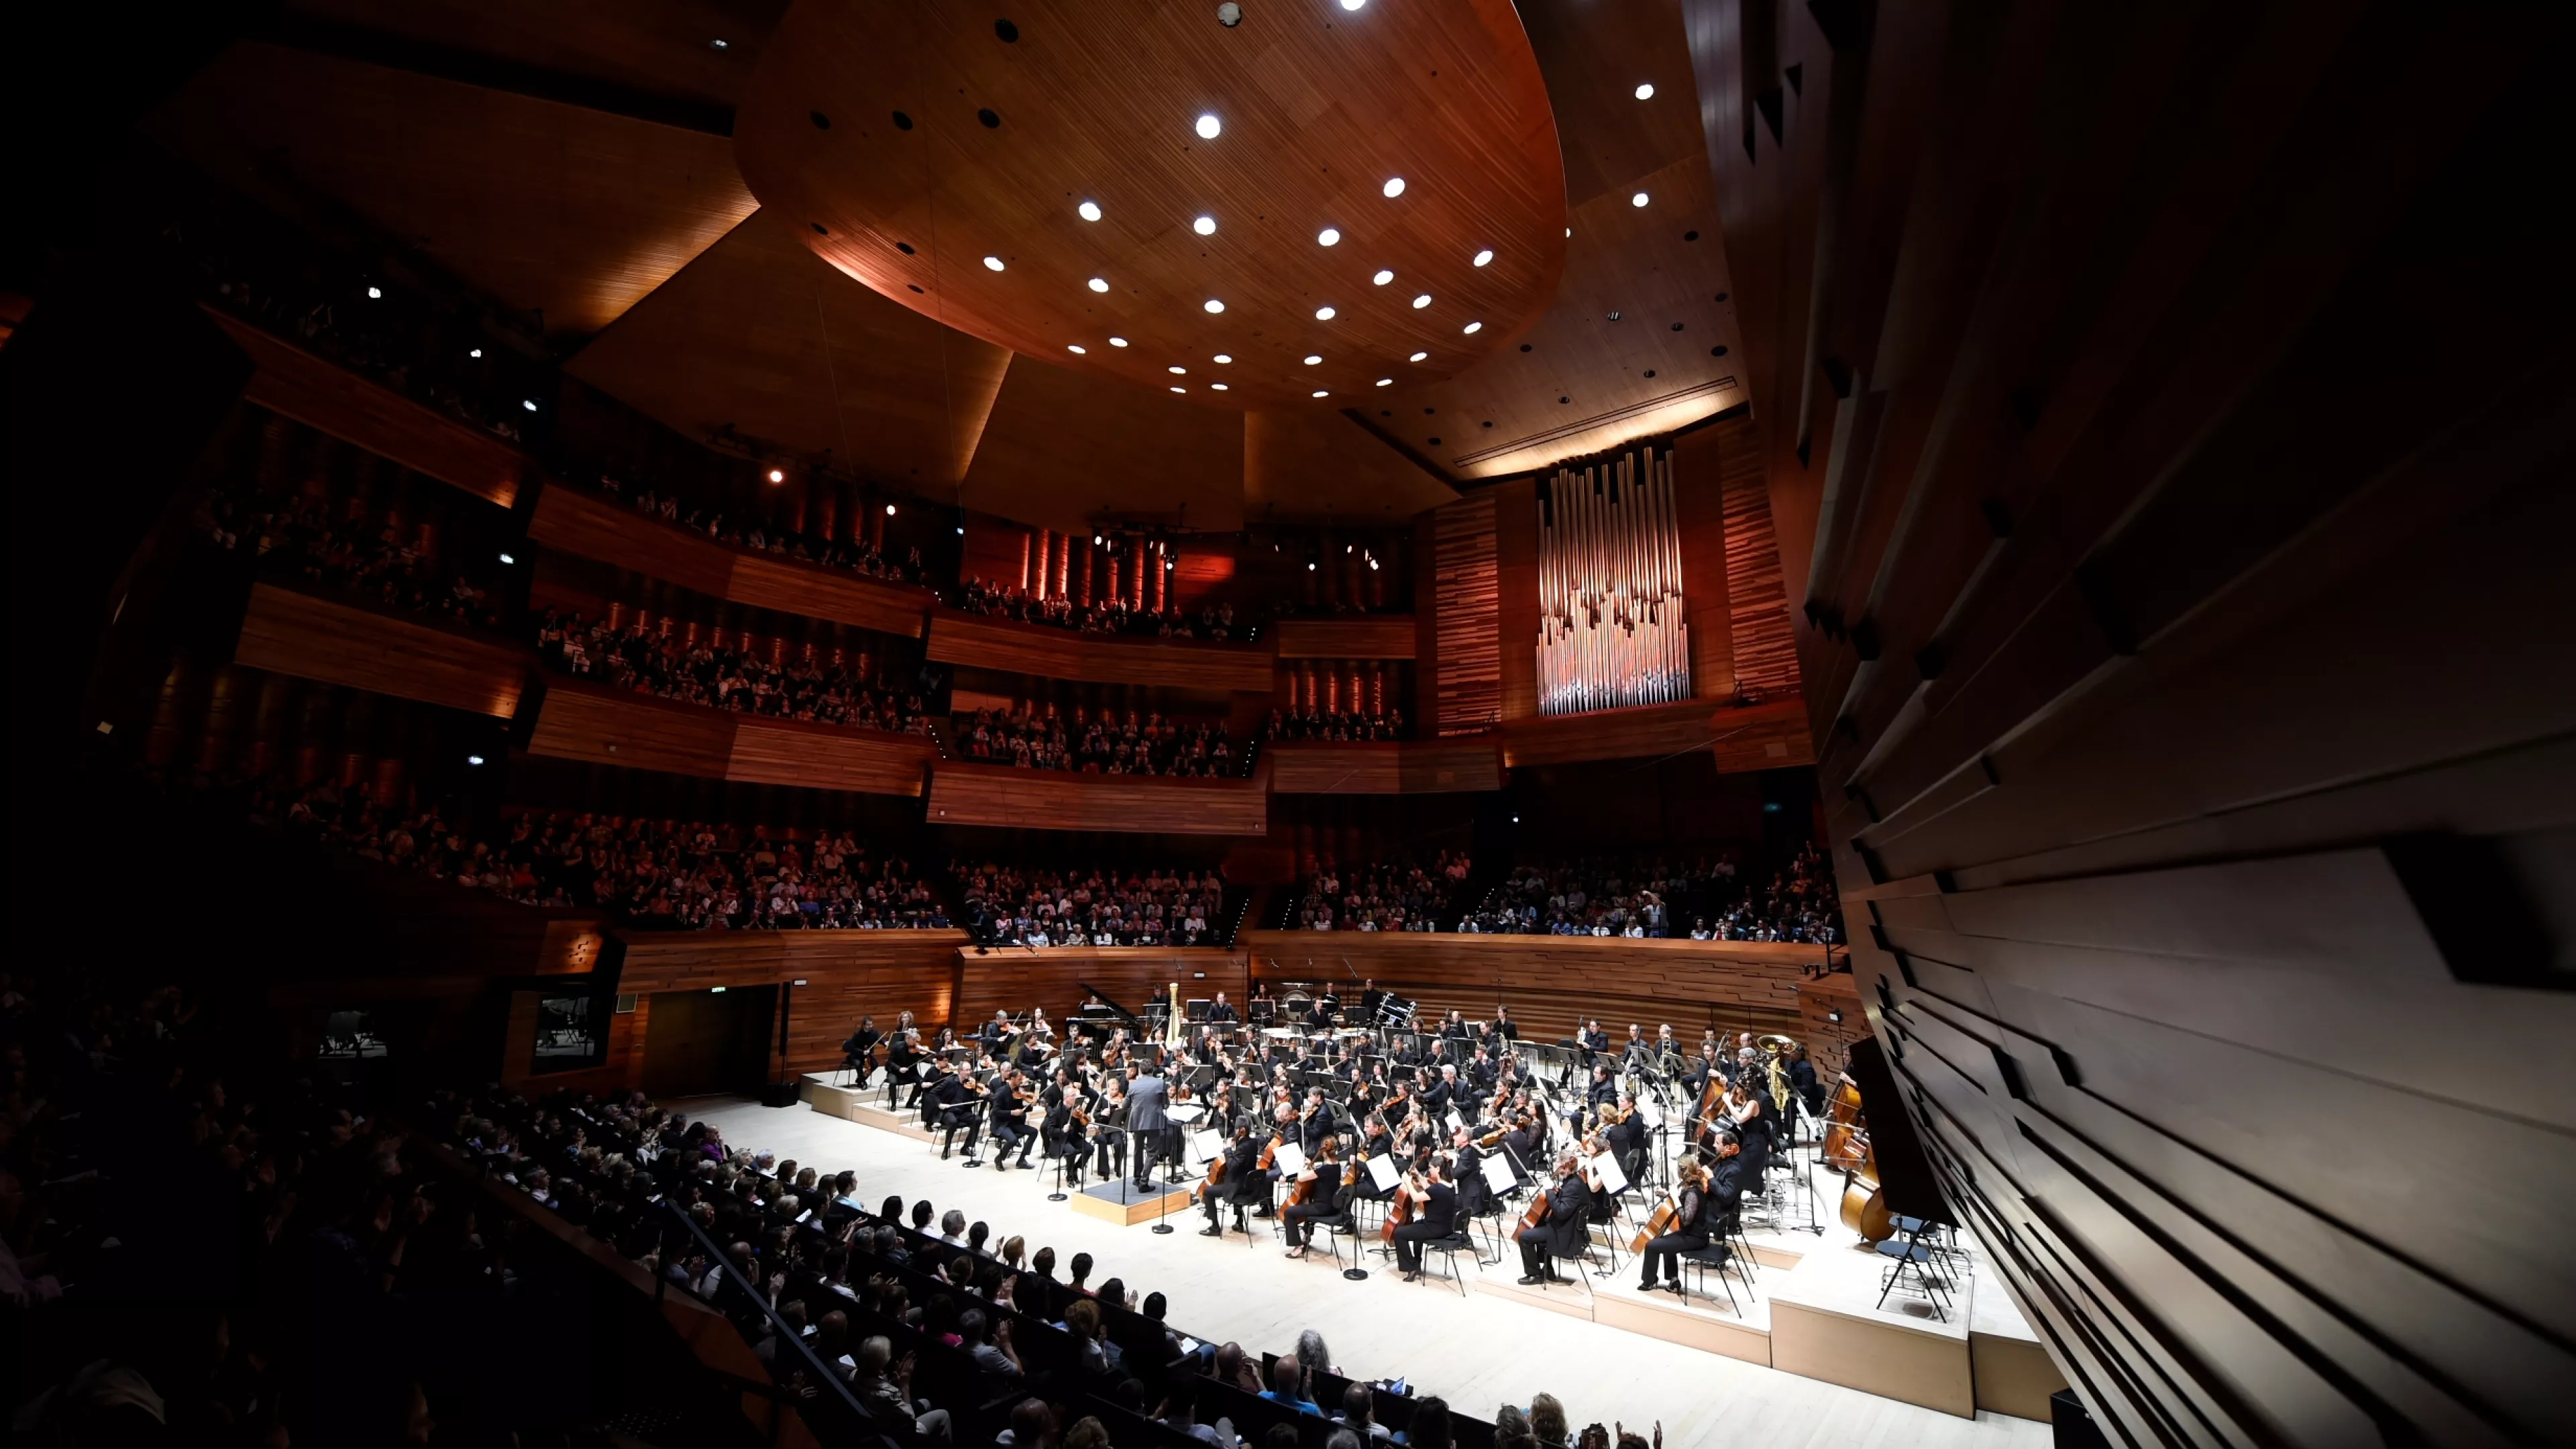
1204,226
1353,4
1473,327
1383,277
374,294
1637,200
1646,92
1323,314
1209,126
775,476
1417,357
1386,382
1216,387
1328,236
1097,284
1117,341
1177,371
477,352
1484,256
529,403
1090,210
992,264
1319,392
1224,357
1393,188
1213,305
1180,389
889,510
1076,348
1422,301
507,559
1569,231
717,45
1314,359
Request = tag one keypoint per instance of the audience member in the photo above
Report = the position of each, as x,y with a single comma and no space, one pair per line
726,676
1009,906
1147,745
1399,896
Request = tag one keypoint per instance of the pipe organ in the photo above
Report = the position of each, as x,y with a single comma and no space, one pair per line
1613,629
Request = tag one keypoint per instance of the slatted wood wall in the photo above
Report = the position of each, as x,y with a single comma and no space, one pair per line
988,643
315,636
1765,661
2171,452
1466,683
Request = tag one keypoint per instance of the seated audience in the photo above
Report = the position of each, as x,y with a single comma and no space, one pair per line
1652,898
1214,622
1010,906
1152,745
375,557
650,661
1335,725
1400,896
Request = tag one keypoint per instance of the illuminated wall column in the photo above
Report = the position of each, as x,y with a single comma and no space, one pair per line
1025,543
1063,565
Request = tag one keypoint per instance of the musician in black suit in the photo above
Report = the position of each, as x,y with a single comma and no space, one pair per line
1467,1173
996,1030
1503,1025
1010,1119
1222,1010
1435,1217
1243,1185
1728,1180
1594,1040
954,1107
1109,1128
1569,1208
1688,1232
854,1052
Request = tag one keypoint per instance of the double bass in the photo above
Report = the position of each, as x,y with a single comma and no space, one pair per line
1847,1151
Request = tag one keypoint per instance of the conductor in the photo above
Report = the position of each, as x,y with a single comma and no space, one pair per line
1145,1118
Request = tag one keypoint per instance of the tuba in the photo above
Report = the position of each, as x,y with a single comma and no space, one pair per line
1776,1050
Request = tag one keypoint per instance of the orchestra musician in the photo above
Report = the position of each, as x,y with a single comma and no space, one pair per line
1109,1127
1560,1234
1321,1183
1594,1040
861,1043
1503,1026
1243,1185
1603,1091
949,1102
1626,1137
1062,1130
1435,1216
1636,1055
1728,1180
1687,1233
1221,1010
1009,1117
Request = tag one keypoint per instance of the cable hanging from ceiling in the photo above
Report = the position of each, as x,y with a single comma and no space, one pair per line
1613,627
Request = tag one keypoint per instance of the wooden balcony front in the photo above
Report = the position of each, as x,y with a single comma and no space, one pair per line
979,642
1359,636
1763,736
337,641
1386,767
964,794
610,726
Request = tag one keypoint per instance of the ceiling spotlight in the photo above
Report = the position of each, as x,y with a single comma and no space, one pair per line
1076,349
1422,301
1177,371
1216,386
477,352
1319,392
505,558
992,264
1646,92
776,476
1209,126
1225,357
1097,284
1637,200
1117,341
1213,305
529,403
1180,389
1310,563
1229,14
1383,276
1393,188
1417,357
1473,327
1386,382
1353,4
1323,314
1204,226
374,294
1372,565
1484,256
717,45
1328,236
889,510
961,530
473,759
1088,211
1313,359
1095,540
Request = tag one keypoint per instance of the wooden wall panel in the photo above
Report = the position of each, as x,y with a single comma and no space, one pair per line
1764,657
1014,980
322,395
822,757
847,974
1702,462
963,794
1758,737
1386,767
2198,776
1465,689
1552,982
312,636
1516,596
1375,636
795,588
1051,653
609,726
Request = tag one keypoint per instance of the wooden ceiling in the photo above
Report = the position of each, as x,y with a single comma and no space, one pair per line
758,332
573,158
939,156
558,208
1580,382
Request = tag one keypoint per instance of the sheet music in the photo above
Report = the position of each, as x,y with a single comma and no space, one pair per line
1381,1171
1456,1121
1498,1175
1647,1111
1206,1146
1606,1166
1291,1159
1185,1112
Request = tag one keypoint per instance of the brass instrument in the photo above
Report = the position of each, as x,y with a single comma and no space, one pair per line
1776,1051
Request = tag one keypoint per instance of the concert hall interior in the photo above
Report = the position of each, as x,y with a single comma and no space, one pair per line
1485,723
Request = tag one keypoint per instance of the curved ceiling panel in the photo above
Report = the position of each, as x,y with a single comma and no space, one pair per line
944,156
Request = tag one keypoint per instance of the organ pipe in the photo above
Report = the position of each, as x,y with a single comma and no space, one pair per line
1613,626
